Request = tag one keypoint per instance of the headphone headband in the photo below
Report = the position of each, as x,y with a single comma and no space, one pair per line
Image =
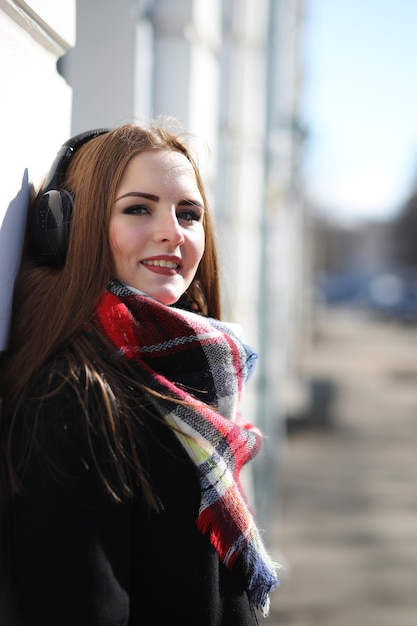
51,214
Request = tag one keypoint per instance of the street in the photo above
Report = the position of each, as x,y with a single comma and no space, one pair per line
347,524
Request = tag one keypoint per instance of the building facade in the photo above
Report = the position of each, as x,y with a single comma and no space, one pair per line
229,71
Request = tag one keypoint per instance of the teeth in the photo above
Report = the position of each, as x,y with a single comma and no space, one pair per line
162,263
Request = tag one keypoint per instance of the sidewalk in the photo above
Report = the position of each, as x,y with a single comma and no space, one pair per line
349,522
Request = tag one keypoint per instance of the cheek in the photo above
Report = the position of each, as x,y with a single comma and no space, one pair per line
199,246
121,240
201,251
119,247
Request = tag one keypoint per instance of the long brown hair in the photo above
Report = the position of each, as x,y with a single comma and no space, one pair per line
52,305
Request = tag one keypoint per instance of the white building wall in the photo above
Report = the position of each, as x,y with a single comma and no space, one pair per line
284,206
35,106
103,68
281,250
35,114
240,180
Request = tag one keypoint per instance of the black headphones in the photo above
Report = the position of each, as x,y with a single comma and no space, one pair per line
51,214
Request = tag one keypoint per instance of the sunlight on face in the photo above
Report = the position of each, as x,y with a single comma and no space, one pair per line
156,228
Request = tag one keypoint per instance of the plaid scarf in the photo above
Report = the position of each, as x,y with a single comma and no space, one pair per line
201,362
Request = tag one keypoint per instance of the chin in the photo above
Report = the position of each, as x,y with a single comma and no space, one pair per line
167,298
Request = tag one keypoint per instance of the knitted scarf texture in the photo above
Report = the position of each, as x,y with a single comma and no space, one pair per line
202,363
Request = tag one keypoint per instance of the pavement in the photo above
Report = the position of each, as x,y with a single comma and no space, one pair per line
347,516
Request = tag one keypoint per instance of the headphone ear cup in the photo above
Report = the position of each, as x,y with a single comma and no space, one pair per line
50,220
50,226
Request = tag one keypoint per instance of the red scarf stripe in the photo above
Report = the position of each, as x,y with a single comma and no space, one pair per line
117,322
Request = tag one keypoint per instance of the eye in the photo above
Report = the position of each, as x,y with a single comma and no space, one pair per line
190,215
136,209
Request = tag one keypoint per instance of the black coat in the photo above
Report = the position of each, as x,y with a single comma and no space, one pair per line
80,558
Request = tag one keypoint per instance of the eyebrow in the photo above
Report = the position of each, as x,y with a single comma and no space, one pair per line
153,198
139,194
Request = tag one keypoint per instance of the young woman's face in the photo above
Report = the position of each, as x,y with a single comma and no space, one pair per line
156,228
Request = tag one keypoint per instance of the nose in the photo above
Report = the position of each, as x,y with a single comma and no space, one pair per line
169,229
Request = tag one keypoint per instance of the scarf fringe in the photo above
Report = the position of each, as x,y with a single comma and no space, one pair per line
256,566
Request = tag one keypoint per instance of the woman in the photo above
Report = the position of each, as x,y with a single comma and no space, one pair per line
121,439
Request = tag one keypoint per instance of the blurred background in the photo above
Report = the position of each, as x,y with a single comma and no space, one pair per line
305,114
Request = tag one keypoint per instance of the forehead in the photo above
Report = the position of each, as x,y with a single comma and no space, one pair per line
159,166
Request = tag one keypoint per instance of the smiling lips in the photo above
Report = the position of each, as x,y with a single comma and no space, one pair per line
161,265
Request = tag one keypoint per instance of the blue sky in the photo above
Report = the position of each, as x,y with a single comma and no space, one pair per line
360,105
